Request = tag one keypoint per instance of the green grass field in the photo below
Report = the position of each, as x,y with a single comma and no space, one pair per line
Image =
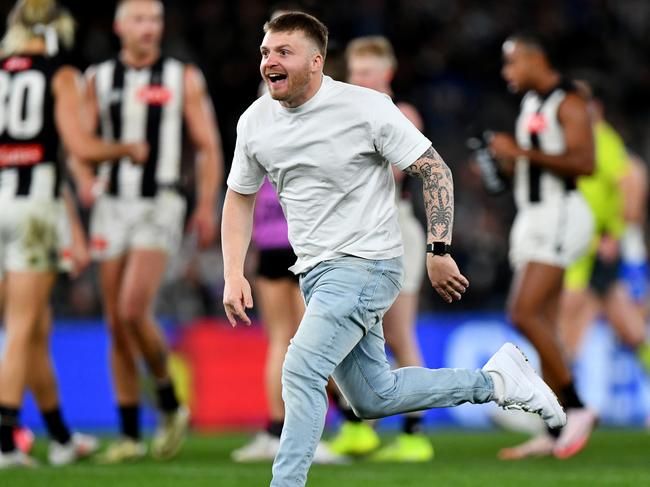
614,457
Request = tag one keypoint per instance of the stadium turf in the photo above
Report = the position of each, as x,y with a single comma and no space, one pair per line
613,458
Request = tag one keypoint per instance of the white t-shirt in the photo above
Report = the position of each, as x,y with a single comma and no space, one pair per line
328,160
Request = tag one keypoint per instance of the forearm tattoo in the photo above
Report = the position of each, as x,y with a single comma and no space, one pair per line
438,187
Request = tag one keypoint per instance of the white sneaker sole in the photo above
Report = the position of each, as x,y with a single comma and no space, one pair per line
516,355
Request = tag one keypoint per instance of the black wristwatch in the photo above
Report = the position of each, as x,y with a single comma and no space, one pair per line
438,248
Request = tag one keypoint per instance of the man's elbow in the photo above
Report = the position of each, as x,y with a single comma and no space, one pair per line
79,151
584,164
587,167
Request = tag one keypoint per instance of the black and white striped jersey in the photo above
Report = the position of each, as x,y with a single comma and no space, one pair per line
141,105
538,127
28,138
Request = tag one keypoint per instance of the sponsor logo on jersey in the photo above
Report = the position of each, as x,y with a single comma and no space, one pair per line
99,243
20,154
154,95
17,63
537,123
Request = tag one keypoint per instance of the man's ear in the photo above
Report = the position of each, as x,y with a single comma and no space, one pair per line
317,62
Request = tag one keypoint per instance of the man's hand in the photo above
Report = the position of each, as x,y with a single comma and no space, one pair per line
203,223
79,254
445,277
88,189
503,146
139,152
236,298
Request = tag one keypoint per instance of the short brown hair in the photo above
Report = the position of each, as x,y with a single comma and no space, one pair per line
376,46
313,28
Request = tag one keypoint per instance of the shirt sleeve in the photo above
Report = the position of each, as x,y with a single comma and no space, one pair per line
246,174
395,137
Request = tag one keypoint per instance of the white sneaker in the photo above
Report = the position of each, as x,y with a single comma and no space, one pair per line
263,447
575,435
538,446
16,459
517,386
518,421
170,434
324,456
79,446
122,450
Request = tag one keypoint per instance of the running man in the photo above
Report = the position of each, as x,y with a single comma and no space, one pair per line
553,227
143,95
327,148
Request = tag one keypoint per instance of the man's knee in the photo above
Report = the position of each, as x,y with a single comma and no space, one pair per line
365,404
520,315
366,410
299,371
119,333
132,312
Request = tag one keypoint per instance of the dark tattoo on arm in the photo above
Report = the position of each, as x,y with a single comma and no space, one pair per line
438,194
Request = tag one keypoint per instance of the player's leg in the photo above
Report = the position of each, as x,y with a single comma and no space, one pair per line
578,310
64,447
26,297
275,298
534,286
624,316
579,306
143,275
124,367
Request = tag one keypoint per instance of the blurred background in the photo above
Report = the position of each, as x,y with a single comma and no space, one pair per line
449,68
449,54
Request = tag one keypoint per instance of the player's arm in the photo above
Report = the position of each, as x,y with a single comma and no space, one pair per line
77,139
79,254
202,127
438,188
577,159
236,230
634,187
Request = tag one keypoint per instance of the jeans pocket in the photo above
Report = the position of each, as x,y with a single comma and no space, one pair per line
396,278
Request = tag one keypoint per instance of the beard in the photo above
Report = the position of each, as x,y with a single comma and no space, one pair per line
297,83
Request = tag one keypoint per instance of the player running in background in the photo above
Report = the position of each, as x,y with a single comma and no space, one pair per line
371,63
616,195
143,95
41,109
553,226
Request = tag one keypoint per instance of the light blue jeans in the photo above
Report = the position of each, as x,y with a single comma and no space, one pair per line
341,335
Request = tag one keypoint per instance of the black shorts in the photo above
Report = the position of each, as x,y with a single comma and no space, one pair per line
603,276
275,263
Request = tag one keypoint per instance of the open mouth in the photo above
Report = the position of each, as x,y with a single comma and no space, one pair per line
276,78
